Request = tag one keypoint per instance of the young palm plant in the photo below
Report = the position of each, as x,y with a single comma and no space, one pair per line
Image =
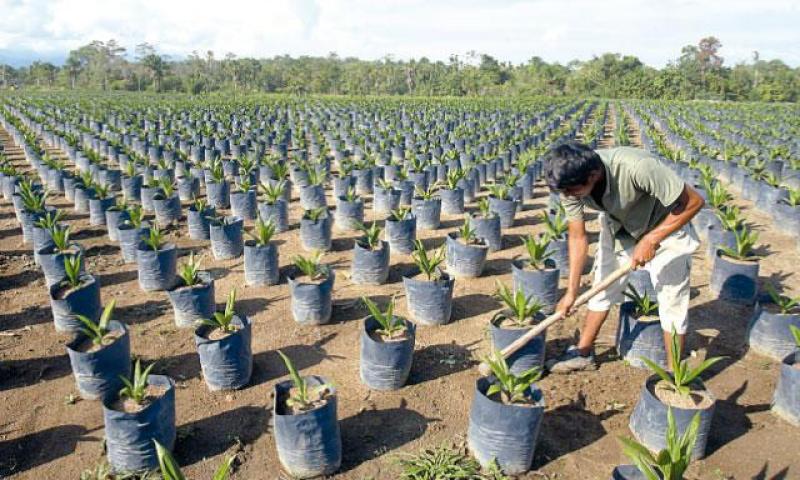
372,235
523,309
483,208
224,320
428,264
49,220
135,388
500,191
466,233
643,305
390,325
301,398
315,214
263,231
189,271
170,470
511,388
136,215
537,248
683,376
556,225
310,266
426,193
72,269
272,191
60,235
673,461
745,241
96,331
784,303
400,213
154,239
350,195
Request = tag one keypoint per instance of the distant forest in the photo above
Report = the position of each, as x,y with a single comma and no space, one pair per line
699,72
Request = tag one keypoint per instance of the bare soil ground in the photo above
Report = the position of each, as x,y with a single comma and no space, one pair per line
45,433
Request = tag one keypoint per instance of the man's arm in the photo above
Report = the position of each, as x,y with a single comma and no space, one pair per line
578,246
683,210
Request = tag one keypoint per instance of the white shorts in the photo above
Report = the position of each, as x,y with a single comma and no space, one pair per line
669,272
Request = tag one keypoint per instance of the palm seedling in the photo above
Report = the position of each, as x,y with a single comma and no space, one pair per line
199,204
189,271
385,184
511,388
244,185
428,264
454,175
217,172
310,266
643,305
523,308
718,196
223,320
136,215
33,200
72,269
315,214
390,325
500,191
301,397
466,233
399,214
96,331
170,470
273,191
556,225
101,191
483,208
279,171
512,179
154,238
794,197
372,235
426,193
167,187
745,241
796,334
784,303
135,388
49,220
350,195
670,463
730,218
263,231
684,375
60,235
537,248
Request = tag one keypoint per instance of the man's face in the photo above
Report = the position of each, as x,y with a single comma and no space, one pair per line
580,191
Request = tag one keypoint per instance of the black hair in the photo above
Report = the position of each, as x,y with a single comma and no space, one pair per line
569,164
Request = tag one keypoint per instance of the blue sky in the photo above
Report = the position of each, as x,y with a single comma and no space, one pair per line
511,30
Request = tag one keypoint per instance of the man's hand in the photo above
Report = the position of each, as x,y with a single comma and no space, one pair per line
644,251
566,303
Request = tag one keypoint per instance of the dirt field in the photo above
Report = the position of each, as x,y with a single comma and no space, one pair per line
45,435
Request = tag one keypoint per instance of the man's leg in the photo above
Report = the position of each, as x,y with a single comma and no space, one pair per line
670,273
591,327
581,356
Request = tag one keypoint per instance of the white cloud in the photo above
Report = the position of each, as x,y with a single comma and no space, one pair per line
510,30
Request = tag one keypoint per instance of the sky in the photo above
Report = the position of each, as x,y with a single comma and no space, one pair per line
509,30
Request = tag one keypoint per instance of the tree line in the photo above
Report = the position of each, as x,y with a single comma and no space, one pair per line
698,73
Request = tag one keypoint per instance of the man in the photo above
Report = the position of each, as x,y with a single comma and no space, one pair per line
645,212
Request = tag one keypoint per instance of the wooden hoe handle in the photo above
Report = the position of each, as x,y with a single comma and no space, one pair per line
542,326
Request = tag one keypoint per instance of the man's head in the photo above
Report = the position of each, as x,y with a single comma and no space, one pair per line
573,169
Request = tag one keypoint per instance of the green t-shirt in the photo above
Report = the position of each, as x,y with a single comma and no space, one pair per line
639,193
